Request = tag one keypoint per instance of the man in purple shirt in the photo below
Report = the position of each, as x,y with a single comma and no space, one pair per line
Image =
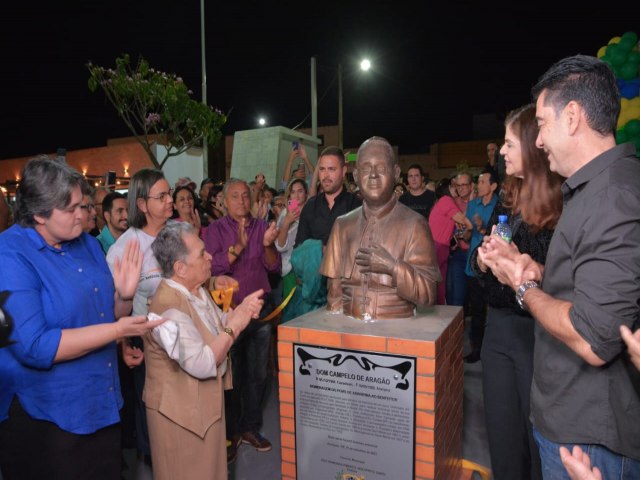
243,248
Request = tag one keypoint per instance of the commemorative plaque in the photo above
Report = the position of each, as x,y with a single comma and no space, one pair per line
354,414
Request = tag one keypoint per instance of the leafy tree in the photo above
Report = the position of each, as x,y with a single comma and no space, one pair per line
157,105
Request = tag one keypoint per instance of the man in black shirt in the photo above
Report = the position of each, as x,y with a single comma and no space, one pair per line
582,390
320,211
418,198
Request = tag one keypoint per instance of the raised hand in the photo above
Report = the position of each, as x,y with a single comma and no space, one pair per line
242,233
126,270
270,234
248,309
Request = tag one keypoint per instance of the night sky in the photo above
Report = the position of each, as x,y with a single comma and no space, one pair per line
434,67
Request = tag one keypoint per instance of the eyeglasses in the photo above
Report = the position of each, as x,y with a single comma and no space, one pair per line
463,184
88,207
162,196
280,205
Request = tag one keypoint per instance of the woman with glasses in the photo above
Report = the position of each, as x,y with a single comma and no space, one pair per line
60,394
150,207
89,213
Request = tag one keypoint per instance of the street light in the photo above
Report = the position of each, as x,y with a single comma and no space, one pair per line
205,149
365,65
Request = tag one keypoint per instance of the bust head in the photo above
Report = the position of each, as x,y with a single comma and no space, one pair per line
376,172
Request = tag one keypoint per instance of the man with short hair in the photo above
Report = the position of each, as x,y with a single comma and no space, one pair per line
418,197
584,387
495,162
98,196
242,247
115,211
321,210
479,212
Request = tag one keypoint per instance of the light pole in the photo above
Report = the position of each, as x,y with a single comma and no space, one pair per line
205,149
365,65
340,122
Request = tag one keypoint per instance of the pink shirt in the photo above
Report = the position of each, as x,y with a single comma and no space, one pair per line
441,219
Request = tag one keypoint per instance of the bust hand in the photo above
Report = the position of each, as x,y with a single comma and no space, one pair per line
375,259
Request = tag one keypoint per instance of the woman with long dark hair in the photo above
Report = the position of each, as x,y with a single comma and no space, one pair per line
532,200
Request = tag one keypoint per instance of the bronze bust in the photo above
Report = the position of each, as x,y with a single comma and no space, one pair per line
380,259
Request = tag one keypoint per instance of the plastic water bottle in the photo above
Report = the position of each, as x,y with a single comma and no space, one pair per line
503,229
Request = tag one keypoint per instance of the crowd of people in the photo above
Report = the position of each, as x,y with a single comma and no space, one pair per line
118,342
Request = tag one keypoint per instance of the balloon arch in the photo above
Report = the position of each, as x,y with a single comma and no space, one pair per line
622,54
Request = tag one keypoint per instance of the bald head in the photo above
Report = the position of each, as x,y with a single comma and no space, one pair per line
376,171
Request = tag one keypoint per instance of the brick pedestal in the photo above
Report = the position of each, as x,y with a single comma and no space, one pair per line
434,337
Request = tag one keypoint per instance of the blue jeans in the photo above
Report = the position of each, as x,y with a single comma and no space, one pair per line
612,465
456,278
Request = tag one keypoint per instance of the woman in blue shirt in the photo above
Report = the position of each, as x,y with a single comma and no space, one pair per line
59,389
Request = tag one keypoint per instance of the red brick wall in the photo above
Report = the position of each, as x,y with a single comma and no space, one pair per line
439,391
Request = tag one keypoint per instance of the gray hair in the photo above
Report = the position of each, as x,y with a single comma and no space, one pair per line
169,247
139,187
45,184
235,181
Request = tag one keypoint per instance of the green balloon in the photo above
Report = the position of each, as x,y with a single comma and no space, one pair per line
628,71
616,71
626,44
632,128
630,36
633,57
619,57
621,136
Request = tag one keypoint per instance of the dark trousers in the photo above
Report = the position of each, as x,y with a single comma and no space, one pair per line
250,367
456,278
37,449
507,371
477,309
142,431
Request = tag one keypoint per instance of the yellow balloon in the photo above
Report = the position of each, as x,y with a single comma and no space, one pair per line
602,51
614,40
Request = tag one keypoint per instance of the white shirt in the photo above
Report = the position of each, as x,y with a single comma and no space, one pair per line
150,275
179,337
287,249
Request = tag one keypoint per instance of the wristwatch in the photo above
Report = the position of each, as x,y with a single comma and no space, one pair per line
229,332
521,291
232,250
